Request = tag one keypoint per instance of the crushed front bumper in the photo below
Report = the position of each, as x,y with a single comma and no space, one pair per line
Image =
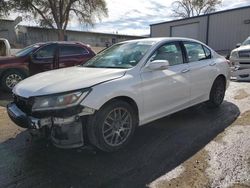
64,132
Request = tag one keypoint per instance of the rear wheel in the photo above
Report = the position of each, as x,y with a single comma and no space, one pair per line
217,93
112,126
10,79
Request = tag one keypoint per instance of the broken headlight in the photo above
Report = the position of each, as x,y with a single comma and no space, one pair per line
59,101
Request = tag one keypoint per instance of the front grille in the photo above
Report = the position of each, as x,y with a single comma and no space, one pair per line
244,54
23,104
244,63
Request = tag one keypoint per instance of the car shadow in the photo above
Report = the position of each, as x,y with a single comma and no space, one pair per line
156,149
5,98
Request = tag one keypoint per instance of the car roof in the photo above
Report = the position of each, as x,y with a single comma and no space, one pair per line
62,42
163,39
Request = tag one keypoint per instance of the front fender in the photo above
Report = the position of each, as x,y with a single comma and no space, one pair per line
126,86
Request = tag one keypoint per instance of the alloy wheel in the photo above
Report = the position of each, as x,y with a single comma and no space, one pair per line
117,126
12,80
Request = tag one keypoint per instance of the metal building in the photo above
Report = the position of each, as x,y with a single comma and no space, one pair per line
20,36
220,30
7,29
27,35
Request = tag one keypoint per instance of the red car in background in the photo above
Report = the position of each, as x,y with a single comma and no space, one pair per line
41,57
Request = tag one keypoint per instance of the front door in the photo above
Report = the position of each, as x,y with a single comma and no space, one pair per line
165,91
43,59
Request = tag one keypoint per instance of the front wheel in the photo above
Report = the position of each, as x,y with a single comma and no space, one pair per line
112,126
217,93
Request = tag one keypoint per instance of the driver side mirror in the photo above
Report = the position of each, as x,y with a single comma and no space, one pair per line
238,45
158,65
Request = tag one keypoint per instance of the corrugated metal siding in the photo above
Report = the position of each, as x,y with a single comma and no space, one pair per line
31,35
164,30
7,31
187,30
228,29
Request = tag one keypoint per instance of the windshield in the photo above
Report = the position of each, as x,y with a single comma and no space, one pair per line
26,50
246,42
124,55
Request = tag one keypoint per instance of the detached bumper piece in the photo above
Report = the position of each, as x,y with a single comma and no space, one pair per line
23,120
64,132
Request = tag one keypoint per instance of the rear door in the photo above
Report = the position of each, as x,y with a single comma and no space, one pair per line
72,55
200,64
42,59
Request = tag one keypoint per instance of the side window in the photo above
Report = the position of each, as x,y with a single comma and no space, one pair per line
207,52
68,50
46,52
171,52
195,51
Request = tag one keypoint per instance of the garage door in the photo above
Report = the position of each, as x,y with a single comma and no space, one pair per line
188,30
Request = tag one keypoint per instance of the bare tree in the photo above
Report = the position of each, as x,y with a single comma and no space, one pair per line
56,14
4,8
189,8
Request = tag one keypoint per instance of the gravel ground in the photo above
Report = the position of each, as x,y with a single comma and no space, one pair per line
225,161
197,147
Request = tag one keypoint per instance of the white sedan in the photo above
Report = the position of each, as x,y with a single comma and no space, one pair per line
128,85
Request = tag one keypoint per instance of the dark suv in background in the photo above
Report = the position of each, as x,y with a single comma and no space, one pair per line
41,57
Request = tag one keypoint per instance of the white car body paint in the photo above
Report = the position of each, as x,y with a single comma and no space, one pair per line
67,79
156,93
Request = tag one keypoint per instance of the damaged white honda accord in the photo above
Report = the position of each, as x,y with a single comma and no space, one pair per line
129,84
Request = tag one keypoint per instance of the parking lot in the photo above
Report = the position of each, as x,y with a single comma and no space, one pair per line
197,147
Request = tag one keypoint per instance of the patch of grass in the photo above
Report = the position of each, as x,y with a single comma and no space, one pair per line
241,94
194,175
244,119
5,98
240,186
4,103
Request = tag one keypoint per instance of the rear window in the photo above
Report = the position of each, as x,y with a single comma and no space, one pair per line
68,50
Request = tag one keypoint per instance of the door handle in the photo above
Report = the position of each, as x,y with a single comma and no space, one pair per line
212,64
185,70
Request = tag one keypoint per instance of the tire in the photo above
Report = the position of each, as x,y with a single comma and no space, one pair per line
217,93
10,79
112,127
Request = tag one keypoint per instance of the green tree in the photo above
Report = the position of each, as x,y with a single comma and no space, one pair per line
56,14
189,8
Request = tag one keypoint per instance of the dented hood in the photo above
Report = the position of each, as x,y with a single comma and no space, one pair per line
66,79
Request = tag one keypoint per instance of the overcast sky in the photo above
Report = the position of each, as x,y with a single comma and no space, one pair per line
133,17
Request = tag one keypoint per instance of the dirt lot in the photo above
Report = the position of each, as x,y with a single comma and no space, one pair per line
197,147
